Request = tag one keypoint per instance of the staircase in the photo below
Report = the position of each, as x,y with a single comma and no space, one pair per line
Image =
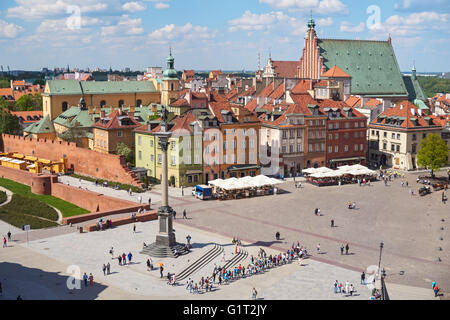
156,251
239,257
200,263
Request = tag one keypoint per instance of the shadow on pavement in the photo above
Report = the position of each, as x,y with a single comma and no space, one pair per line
36,284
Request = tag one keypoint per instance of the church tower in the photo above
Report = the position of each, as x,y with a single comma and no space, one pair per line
170,83
311,62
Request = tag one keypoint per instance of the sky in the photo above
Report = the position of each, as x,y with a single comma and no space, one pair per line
212,34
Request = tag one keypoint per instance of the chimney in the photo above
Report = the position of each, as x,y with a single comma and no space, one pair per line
91,110
132,109
102,114
149,126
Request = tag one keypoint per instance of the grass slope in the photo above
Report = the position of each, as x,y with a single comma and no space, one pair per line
67,209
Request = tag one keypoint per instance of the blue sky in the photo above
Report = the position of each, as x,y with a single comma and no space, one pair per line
212,34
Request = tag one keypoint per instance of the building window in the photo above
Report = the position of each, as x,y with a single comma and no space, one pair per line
355,134
139,140
347,125
159,158
398,148
393,136
151,143
336,125
356,124
322,147
64,106
336,136
336,148
140,155
330,126
346,148
384,146
291,148
361,147
330,137
414,137
392,147
283,149
414,148
330,149
300,148
398,136
424,135
172,145
121,103
284,134
317,147
346,135
138,103
361,134
172,160
299,133
195,178
385,134
310,123
102,103
310,147
152,158
119,133
355,147
189,179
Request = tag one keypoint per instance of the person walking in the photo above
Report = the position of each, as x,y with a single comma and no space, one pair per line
124,259
85,279
9,232
104,269
435,289
342,249
351,289
4,242
318,248
363,278
108,268
150,202
140,199
134,228
332,223
346,248
161,269
254,293
129,257
184,214
148,264
91,279
336,284
120,260
174,214
111,252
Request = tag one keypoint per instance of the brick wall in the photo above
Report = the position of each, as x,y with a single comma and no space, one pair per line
83,161
23,177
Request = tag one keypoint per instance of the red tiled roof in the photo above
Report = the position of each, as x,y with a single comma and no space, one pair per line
286,69
217,107
267,91
353,101
328,103
252,105
278,93
18,83
408,110
190,73
321,83
180,103
199,95
249,92
336,72
113,121
25,114
301,87
6,92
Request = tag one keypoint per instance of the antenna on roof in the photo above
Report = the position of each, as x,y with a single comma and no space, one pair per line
270,54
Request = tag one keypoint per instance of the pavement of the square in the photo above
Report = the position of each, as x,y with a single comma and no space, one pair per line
410,227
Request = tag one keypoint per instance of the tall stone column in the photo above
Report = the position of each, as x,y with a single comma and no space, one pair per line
166,236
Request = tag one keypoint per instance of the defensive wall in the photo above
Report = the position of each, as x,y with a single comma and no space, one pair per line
98,204
83,161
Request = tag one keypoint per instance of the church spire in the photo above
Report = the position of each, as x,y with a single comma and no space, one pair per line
311,23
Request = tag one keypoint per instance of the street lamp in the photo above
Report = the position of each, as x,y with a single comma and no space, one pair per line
379,261
383,289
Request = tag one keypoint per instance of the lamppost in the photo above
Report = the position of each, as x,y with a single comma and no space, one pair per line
383,288
379,261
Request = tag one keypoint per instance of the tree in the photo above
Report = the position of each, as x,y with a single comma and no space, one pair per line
40,82
29,102
127,152
433,153
3,104
8,123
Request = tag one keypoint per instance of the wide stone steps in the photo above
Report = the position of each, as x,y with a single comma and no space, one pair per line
156,251
200,263
239,257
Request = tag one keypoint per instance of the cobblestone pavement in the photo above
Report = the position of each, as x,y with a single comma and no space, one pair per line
90,250
410,228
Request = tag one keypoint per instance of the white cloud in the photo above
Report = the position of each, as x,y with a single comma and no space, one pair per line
134,6
267,21
60,25
125,26
346,27
188,31
9,30
325,22
161,5
39,9
323,7
413,24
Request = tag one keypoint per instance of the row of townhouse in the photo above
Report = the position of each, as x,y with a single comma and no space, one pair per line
226,140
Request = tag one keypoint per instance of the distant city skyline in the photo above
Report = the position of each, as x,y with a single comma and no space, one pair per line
206,35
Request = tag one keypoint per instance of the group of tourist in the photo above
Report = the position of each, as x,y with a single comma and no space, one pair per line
348,289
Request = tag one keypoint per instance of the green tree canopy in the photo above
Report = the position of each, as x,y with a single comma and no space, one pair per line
433,153
8,123
127,152
29,102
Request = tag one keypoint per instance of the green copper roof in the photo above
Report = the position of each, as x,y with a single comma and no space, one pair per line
372,65
75,117
75,87
420,104
170,72
44,125
415,90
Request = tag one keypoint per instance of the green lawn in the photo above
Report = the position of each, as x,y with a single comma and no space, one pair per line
67,209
